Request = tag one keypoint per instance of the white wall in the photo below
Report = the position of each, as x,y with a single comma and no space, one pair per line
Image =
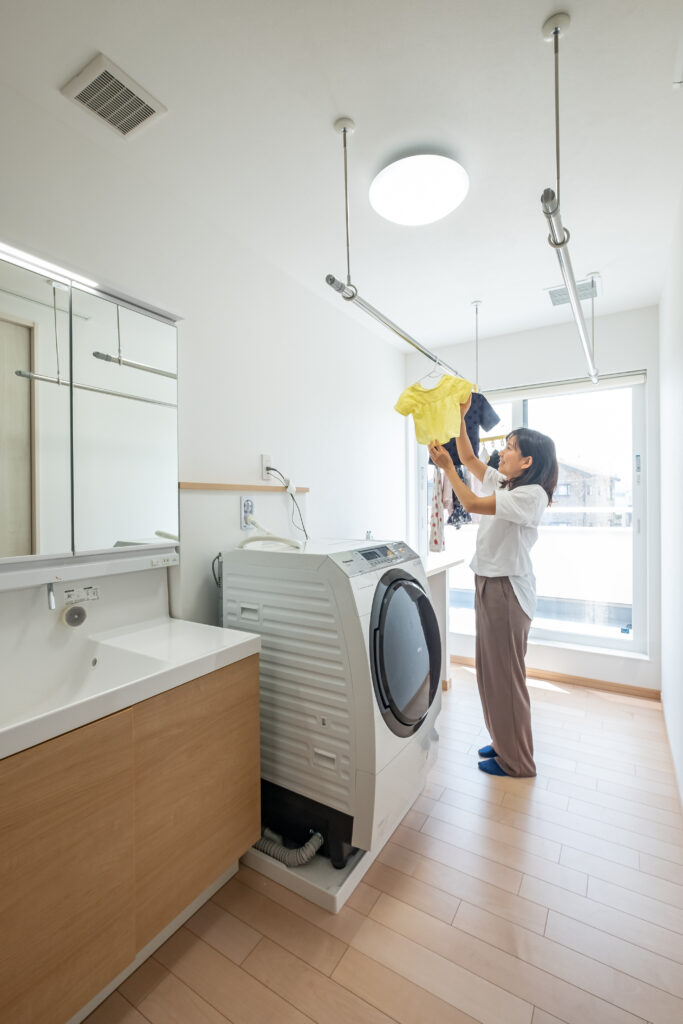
671,395
306,383
624,342
265,365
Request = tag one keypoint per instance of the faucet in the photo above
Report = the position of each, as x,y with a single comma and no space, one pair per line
51,597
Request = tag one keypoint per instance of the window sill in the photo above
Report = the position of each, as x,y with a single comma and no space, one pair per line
613,652
562,645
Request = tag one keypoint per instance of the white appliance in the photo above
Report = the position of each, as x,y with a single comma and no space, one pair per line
350,684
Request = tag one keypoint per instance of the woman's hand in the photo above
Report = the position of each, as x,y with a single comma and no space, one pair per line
439,455
465,407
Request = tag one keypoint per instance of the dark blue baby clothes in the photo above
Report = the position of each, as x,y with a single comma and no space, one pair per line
458,516
481,414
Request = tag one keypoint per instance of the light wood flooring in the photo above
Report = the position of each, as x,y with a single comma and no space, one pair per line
503,901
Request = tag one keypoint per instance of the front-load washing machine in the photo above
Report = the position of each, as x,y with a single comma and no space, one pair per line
350,684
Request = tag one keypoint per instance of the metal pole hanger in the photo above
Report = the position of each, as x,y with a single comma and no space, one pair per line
559,236
348,291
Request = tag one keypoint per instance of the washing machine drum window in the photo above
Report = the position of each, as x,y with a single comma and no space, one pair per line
405,651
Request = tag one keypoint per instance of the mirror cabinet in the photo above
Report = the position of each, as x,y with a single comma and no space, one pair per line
88,420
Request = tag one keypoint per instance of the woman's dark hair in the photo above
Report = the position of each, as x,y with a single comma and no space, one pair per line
543,469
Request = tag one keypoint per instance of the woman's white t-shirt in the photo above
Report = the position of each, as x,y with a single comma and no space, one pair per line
505,540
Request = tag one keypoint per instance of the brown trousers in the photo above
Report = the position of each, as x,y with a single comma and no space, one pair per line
502,631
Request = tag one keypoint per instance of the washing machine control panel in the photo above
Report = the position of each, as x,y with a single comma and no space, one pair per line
376,555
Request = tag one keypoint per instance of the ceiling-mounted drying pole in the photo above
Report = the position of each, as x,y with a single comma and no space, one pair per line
558,237
135,366
476,304
130,362
348,291
29,375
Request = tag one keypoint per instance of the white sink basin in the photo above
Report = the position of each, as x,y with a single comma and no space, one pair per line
99,674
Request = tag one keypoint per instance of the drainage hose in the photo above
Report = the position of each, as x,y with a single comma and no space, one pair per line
270,844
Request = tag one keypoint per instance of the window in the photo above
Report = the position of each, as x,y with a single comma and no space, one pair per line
589,559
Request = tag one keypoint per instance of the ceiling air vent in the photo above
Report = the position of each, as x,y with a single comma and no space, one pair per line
113,96
586,289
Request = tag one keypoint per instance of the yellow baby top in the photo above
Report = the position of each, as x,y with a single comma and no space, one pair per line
436,411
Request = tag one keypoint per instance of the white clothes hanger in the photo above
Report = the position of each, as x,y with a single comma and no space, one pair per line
435,372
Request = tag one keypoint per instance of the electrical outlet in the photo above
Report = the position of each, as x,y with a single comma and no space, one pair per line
246,510
265,461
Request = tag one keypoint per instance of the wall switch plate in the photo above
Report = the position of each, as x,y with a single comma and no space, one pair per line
266,460
246,510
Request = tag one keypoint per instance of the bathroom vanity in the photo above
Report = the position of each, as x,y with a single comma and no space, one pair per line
109,831
129,741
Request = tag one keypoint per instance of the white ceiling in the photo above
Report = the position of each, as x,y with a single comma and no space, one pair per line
253,88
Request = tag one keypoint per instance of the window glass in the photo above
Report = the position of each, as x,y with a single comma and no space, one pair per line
584,556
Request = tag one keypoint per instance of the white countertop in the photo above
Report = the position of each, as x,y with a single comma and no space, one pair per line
112,670
436,563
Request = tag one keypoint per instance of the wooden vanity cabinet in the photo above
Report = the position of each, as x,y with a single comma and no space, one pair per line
197,789
108,832
67,871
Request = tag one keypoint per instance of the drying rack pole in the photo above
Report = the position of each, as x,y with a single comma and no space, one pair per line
349,293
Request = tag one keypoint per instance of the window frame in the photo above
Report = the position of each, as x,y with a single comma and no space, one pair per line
638,640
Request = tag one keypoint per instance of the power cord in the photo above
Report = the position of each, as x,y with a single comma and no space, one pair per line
218,559
291,491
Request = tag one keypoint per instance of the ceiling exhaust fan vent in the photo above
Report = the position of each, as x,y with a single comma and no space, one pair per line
111,94
586,289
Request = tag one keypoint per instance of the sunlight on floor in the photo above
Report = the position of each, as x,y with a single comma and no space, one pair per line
536,684
545,684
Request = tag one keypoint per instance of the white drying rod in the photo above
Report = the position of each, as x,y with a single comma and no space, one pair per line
349,292
558,239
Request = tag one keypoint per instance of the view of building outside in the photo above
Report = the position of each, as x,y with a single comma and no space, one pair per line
583,559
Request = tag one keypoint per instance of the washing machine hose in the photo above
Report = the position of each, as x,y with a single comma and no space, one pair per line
270,843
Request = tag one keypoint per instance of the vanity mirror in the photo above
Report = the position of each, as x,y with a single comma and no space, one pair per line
91,466
124,425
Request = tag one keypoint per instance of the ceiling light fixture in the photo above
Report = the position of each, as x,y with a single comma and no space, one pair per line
419,189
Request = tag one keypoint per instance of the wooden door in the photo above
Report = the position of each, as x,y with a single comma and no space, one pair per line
16,470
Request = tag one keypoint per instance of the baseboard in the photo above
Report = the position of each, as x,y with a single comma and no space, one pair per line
561,677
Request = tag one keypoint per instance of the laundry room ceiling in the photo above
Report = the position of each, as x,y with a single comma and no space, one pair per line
252,90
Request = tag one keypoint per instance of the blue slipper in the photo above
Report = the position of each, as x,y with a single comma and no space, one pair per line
487,752
491,767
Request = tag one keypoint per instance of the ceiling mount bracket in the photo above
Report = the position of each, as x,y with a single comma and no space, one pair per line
344,124
557,23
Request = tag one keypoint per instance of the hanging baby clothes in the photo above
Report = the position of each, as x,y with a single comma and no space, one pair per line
494,460
437,518
436,411
458,516
481,414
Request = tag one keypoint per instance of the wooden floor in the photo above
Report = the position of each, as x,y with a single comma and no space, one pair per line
504,901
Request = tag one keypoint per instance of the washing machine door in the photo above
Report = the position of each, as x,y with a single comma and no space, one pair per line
405,651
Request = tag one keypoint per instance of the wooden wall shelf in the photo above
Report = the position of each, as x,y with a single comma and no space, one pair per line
191,486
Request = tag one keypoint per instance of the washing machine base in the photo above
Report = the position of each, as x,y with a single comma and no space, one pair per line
295,817
318,882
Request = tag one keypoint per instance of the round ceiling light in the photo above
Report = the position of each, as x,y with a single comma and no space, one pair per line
419,189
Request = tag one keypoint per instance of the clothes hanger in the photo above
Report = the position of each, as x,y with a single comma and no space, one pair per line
436,371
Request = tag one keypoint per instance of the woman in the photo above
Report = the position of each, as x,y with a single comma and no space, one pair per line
516,497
